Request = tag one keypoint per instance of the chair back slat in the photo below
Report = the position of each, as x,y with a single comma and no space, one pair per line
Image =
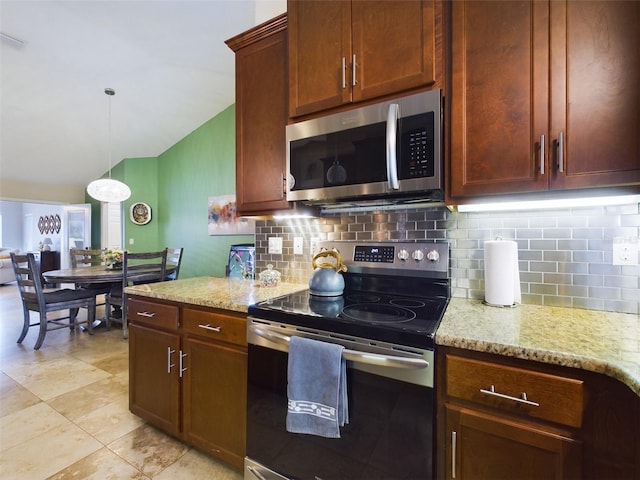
85,257
28,279
174,257
145,267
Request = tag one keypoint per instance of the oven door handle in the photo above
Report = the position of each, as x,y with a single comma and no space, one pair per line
353,355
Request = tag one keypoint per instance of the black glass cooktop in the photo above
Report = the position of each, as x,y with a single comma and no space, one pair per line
367,309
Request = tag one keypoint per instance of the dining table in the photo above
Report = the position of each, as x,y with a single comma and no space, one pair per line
94,275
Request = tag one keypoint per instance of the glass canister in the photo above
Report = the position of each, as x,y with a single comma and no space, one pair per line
269,277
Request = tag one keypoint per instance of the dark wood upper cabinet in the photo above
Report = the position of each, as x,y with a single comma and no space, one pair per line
261,117
543,96
344,51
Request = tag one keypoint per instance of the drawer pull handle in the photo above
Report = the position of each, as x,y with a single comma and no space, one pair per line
146,314
209,327
522,399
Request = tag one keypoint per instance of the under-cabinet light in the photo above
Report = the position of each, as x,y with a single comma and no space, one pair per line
549,204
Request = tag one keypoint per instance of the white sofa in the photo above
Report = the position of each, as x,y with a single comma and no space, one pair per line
6,269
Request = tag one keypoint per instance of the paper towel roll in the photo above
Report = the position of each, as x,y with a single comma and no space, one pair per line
501,273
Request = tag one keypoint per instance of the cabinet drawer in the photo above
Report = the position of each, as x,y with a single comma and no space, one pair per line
215,326
152,314
516,390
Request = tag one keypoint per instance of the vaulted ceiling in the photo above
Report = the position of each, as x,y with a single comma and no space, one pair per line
166,60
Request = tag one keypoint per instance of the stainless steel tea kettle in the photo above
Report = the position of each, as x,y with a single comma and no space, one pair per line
326,280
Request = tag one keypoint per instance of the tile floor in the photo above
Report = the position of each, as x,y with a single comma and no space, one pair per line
64,410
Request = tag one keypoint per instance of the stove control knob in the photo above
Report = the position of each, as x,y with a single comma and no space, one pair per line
418,255
403,255
433,256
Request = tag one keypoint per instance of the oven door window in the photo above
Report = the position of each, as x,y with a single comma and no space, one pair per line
389,435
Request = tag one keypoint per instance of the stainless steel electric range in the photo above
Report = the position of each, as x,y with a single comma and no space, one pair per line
394,298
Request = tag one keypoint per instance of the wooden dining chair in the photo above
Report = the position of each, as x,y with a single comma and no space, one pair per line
174,257
36,299
86,257
137,268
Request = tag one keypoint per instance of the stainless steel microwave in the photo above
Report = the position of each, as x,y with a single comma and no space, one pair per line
387,150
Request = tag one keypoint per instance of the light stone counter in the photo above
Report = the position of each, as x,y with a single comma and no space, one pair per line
601,342
215,292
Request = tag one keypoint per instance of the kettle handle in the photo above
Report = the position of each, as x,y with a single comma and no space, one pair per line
339,267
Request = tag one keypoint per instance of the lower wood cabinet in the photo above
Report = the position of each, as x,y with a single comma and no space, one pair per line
188,374
503,418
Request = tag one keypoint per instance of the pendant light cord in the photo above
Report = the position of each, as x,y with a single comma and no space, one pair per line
110,92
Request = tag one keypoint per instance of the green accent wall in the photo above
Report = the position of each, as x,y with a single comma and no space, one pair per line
201,165
141,175
177,186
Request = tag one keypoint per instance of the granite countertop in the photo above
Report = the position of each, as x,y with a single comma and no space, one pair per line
602,342
232,294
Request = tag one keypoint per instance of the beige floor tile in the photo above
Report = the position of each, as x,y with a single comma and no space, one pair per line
195,464
111,421
14,397
89,398
100,465
114,364
55,377
47,453
149,450
27,424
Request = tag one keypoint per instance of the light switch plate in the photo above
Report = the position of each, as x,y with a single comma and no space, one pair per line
625,250
298,243
275,245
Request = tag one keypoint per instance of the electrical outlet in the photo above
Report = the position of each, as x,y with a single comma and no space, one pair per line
275,245
298,243
625,250
314,246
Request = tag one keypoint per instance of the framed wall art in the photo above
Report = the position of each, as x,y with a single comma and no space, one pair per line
223,219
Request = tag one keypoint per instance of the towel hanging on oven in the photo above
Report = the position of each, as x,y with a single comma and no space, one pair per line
316,388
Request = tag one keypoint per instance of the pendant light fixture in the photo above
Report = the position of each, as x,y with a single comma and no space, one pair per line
108,189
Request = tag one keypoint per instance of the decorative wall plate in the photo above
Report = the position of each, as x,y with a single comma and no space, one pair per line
140,213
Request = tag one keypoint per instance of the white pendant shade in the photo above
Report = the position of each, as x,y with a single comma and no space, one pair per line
108,190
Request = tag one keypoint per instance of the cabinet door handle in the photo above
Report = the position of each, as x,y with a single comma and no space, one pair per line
454,445
182,367
542,154
344,73
353,71
169,364
146,314
561,152
523,396
209,327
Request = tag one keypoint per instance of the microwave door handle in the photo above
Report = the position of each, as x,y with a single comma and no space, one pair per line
392,163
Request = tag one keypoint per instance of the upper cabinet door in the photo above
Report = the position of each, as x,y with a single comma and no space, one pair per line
349,51
499,96
595,85
319,55
393,47
261,116
544,96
